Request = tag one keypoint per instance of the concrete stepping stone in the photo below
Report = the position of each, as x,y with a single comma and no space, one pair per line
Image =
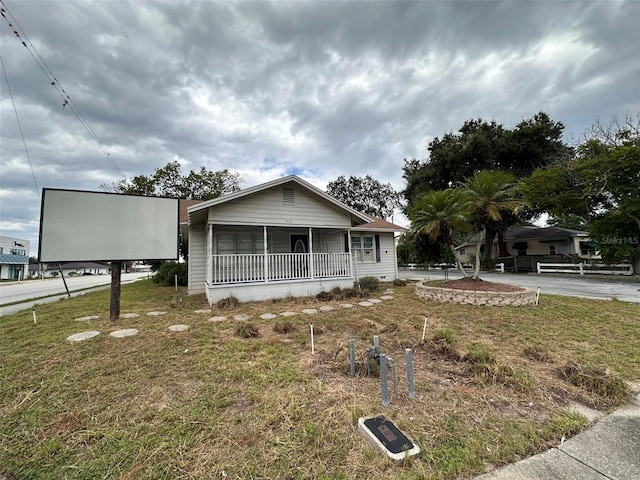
346,305
129,315
241,317
179,328
155,314
327,308
202,310
288,314
365,304
310,311
268,316
125,332
78,337
218,319
388,291
374,300
387,297
87,318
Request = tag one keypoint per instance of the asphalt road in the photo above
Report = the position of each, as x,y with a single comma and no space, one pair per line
52,289
624,289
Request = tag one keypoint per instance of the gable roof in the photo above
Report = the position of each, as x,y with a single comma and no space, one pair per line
275,183
531,232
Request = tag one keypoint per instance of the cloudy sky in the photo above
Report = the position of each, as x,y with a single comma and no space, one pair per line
316,88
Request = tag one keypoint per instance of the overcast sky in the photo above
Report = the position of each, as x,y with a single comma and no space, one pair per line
319,89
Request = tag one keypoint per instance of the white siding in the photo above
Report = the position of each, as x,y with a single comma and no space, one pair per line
272,208
197,258
386,269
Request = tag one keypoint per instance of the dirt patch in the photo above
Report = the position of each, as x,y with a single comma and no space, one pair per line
480,286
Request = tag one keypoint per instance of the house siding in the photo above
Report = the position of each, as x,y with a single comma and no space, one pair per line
269,207
385,270
197,258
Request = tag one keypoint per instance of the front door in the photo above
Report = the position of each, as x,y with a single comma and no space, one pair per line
299,243
299,263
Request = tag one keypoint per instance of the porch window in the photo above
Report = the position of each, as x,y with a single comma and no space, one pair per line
239,243
363,249
552,249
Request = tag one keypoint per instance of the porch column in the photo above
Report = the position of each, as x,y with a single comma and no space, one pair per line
266,254
311,269
209,273
352,262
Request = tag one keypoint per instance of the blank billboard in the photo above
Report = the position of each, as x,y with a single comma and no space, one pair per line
78,226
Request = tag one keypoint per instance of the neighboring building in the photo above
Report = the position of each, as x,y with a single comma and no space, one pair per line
49,270
14,258
539,241
285,237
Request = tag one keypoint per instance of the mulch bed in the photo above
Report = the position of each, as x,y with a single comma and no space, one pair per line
480,286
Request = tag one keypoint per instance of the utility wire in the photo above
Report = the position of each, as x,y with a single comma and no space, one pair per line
66,99
33,174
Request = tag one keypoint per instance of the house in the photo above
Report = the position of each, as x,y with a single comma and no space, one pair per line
14,258
529,240
283,238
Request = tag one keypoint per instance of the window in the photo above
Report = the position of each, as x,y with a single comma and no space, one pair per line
552,249
363,249
462,251
239,243
17,251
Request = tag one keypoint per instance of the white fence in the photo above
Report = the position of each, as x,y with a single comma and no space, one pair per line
586,268
278,266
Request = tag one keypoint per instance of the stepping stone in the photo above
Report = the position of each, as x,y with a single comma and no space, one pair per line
374,300
89,317
288,314
388,291
203,310
241,317
327,308
365,304
386,297
310,311
346,305
125,332
129,315
78,337
217,319
155,314
178,328
268,316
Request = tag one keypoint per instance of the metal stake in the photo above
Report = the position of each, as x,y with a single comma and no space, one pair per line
383,380
409,355
352,358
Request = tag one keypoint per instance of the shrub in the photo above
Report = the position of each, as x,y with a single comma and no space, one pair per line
247,330
228,302
369,284
398,282
166,274
443,343
324,296
284,327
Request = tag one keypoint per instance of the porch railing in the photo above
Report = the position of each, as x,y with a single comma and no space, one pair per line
280,267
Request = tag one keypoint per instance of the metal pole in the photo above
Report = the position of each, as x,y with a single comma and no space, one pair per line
376,343
383,380
352,358
114,303
409,355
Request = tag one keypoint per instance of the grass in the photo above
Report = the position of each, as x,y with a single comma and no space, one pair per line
199,403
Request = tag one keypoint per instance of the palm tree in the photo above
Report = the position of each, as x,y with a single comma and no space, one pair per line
489,192
438,214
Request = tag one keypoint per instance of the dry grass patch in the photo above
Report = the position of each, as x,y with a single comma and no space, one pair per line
199,403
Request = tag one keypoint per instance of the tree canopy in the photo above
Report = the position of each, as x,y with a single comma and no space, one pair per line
169,181
366,195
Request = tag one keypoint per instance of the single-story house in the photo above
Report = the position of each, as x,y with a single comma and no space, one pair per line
283,238
532,240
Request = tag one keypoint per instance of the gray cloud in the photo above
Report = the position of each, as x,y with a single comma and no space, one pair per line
316,88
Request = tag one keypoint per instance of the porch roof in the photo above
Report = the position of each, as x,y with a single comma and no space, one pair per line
379,225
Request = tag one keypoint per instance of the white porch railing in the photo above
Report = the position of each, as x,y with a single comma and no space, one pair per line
227,269
586,268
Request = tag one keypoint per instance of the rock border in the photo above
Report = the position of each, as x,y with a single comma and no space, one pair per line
471,297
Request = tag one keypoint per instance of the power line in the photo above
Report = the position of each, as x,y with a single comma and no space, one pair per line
33,174
55,83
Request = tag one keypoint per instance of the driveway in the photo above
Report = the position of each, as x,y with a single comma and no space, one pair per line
625,289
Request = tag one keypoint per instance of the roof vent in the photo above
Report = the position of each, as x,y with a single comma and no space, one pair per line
287,196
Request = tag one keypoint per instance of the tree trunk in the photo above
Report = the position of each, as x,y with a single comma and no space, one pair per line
502,246
481,236
456,255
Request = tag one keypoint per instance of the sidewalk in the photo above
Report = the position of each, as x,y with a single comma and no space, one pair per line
610,449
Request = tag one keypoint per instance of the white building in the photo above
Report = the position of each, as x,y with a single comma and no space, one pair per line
14,258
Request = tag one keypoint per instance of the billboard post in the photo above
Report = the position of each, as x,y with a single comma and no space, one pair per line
114,302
